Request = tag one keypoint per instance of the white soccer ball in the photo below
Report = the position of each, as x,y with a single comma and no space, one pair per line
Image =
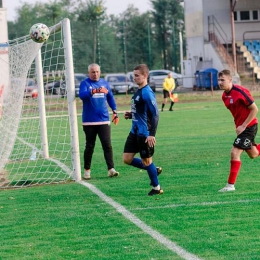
39,32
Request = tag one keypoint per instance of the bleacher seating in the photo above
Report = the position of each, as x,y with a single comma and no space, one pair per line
254,52
251,51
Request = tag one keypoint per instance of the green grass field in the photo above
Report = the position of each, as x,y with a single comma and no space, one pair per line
113,218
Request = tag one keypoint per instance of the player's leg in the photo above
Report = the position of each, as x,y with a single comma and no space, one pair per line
128,158
130,150
172,103
235,164
163,104
165,96
146,154
255,149
90,136
104,134
243,142
152,171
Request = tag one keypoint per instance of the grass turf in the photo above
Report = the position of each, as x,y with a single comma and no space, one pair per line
68,221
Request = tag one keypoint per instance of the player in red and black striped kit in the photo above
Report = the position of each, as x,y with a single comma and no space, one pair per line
244,110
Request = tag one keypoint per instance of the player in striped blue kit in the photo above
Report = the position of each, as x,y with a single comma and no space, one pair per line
141,139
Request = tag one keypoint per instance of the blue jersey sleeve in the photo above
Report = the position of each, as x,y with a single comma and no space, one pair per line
152,111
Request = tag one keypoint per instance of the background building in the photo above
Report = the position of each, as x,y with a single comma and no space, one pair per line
216,31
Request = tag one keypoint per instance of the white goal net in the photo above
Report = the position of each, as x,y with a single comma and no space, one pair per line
38,116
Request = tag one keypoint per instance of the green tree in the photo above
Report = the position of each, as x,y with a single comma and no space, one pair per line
165,14
133,34
29,14
91,13
58,10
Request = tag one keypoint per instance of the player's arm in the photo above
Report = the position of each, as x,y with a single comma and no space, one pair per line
112,103
84,90
253,112
150,140
152,106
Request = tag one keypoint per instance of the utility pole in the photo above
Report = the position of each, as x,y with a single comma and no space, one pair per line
180,26
124,44
232,8
149,43
174,46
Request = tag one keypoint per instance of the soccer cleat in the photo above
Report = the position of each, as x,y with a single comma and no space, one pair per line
155,192
170,109
159,171
87,176
228,187
112,173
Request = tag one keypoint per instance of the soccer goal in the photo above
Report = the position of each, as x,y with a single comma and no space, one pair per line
38,111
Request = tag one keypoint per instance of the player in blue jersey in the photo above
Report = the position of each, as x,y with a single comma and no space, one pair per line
95,93
141,139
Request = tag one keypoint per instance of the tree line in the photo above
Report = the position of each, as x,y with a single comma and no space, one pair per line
116,42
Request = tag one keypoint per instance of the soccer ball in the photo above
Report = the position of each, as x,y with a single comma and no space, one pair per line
39,33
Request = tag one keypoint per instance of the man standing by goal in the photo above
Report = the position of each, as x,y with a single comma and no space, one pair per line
95,93
244,110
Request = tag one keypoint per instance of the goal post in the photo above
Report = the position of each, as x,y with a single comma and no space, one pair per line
39,141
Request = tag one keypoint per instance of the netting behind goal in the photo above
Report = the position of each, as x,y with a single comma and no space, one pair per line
38,125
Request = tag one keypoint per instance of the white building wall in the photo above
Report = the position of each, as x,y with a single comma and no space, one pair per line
210,54
196,13
220,9
194,28
3,24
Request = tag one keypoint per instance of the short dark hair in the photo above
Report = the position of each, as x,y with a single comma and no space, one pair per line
225,73
143,68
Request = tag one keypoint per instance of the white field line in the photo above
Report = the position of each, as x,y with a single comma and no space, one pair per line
201,204
147,229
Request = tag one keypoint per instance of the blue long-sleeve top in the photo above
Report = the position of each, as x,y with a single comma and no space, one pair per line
95,110
145,114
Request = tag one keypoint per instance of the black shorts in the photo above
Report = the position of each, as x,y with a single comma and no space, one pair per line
246,139
136,144
165,93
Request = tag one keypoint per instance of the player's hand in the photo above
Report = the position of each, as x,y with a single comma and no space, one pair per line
240,129
99,90
115,118
150,140
128,115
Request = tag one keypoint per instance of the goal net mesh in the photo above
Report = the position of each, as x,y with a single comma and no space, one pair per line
27,159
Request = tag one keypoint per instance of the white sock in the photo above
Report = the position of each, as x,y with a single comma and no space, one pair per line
157,187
